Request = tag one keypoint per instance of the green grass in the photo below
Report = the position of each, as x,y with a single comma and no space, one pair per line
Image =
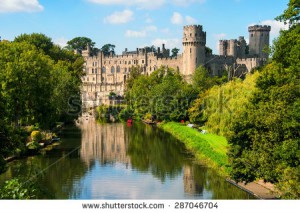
208,148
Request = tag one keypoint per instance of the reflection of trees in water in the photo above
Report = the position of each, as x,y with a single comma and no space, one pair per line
198,177
150,149
147,149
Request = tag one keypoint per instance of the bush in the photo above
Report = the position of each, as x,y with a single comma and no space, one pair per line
36,136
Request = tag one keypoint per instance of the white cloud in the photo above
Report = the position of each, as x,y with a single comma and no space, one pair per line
148,20
190,20
143,4
219,36
147,4
187,2
141,33
165,30
62,42
119,17
151,28
136,34
276,26
177,18
11,6
170,43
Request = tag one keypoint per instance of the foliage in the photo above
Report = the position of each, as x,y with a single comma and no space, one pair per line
265,137
164,93
108,49
220,105
208,51
37,80
125,114
81,43
174,52
292,14
202,80
19,190
107,114
36,136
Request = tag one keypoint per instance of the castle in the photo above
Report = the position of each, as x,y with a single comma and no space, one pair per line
106,74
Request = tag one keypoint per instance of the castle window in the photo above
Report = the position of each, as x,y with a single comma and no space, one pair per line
118,68
129,62
103,70
92,71
93,79
125,69
150,68
87,79
190,50
251,35
195,34
96,70
191,35
125,62
112,69
129,69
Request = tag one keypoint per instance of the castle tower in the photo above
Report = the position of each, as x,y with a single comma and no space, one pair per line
233,48
259,39
223,47
194,40
242,47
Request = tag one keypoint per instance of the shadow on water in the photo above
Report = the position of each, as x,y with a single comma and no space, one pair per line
115,161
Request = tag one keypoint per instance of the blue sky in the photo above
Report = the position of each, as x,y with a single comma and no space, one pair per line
137,23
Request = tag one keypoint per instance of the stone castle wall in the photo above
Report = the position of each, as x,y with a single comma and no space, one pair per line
106,74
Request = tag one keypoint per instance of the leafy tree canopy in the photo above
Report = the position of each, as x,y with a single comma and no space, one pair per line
292,14
174,52
108,49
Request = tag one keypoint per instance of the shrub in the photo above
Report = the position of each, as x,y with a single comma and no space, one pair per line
36,136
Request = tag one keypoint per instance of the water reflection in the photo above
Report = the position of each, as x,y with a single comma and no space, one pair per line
116,161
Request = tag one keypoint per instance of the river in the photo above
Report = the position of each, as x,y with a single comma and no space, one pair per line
117,161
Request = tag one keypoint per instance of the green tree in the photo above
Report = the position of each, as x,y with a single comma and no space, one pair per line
265,138
291,14
174,52
81,43
108,49
39,40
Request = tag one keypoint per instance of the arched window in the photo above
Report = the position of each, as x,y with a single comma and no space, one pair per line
103,70
112,69
118,68
125,69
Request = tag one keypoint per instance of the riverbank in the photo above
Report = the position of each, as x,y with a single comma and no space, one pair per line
211,150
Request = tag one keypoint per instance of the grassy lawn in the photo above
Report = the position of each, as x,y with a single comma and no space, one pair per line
208,148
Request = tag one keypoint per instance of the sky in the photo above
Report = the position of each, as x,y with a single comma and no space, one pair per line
137,23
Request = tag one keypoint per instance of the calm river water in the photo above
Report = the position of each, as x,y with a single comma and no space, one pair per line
116,161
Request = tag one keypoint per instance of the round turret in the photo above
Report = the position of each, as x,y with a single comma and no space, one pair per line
194,40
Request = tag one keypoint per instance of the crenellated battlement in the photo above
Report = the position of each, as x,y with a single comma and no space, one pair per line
259,28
